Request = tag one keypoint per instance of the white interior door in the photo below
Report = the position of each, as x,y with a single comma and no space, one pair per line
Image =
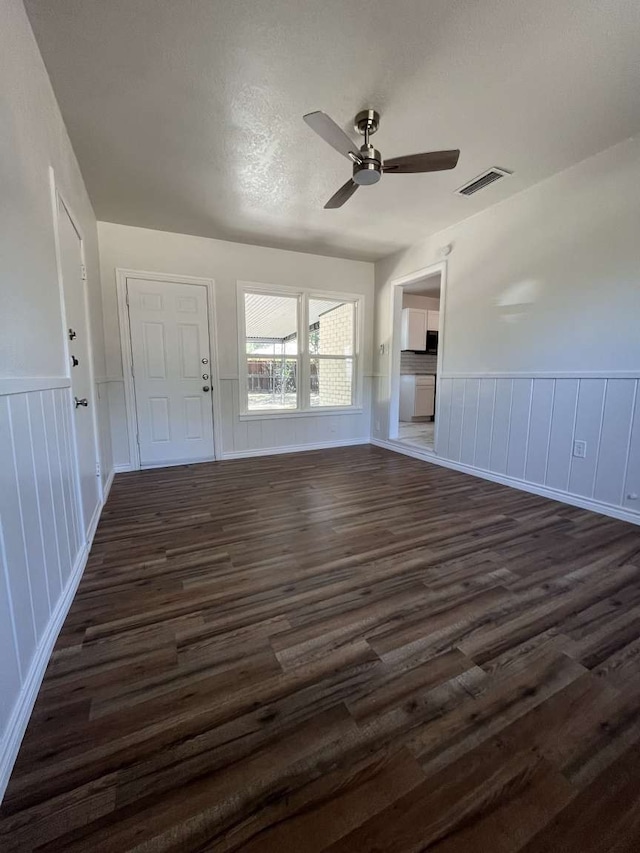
171,371
75,311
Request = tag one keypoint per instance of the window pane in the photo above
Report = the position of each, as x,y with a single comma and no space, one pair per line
331,381
271,324
271,383
331,327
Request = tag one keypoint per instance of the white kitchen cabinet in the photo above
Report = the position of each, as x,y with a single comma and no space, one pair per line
416,322
414,329
417,397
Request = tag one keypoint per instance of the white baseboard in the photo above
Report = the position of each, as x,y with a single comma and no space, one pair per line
93,525
122,468
107,486
533,488
10,743
293,448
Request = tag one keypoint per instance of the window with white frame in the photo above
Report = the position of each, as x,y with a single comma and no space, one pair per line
300,351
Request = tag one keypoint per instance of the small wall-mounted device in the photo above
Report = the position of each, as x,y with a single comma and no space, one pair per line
580,449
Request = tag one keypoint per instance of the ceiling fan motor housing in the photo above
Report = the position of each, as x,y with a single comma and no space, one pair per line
370,170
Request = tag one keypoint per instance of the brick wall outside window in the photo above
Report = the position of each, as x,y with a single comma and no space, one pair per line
335,337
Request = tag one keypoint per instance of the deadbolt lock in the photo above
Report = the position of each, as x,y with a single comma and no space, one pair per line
81,402
72,334
205,375
205,361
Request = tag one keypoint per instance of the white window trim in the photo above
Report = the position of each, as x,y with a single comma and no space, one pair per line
303,295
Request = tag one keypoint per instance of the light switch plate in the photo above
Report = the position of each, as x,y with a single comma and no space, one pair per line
580,449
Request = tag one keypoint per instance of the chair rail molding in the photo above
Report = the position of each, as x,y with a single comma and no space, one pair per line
28,384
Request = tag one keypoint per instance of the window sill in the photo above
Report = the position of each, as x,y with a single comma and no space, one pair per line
298,413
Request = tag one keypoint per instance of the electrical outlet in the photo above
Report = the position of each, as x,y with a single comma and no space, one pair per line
580,449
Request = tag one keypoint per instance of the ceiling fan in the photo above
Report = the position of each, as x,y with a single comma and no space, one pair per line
368,164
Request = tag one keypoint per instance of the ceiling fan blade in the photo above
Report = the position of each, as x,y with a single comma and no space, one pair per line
344,194
433,161
326,127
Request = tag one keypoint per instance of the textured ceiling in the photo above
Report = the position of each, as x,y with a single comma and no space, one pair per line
187,116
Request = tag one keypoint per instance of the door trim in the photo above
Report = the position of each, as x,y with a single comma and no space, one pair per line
122,275
57,195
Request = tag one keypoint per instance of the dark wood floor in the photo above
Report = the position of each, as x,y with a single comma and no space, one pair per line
345,650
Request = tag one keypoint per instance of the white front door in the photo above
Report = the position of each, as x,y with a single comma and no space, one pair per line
76,319
171,371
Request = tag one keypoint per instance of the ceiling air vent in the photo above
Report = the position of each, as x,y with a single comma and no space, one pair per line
483,180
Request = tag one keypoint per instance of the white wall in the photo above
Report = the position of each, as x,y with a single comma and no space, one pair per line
41,544
122,246
541,336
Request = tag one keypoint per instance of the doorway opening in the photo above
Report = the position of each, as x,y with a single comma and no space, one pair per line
418,306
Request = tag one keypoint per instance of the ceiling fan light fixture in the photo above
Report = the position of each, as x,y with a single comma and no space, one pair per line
367,174
368,171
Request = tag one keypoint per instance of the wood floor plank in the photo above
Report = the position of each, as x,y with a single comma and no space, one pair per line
492,799
341,650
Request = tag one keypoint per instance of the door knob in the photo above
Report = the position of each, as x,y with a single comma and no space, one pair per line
205,387
81,402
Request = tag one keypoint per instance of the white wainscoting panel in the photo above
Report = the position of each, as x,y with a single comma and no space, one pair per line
249,437
469,420
455,419
588,424
500,427
240,437
519,428
524,427
42,554
614,441
563,414
631,498
484,422
539,431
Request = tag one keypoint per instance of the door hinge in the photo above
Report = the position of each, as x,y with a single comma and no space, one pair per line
83,272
